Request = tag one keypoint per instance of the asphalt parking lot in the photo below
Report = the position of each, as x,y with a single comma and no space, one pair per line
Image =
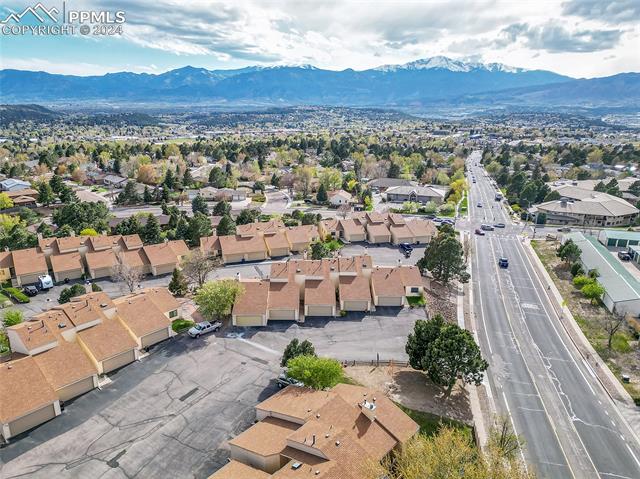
169,414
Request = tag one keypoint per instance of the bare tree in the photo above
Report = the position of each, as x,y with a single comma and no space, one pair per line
344,210
612,323
502,437
467,248
197,266
121,272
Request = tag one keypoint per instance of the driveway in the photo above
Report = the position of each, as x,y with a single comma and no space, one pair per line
167,415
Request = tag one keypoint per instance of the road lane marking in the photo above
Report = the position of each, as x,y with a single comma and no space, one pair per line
515,431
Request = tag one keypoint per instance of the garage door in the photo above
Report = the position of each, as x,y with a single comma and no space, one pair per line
118,361
29,278
317,310
279,252
248,321
101,273
256,256
389,301
356,305
287,314
76,389
164,269
233,258
154,338
68,275
32,420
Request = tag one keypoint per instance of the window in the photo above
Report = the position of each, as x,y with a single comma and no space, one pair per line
173,314
415,290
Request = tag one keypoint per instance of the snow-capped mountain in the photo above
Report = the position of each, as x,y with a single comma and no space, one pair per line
446,63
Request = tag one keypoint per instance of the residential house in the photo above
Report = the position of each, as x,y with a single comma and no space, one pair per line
354,293
301,237
250,307
13,184
382,184
391,286
320,298
339,198
145,322
237,249
283,302
114,181
28,265
67,266
352,231
338,433
165,257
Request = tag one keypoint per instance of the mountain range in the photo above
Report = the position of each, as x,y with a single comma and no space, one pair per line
418,84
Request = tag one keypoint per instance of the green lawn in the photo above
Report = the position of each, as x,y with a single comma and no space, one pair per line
416,301
464,205
180,325
430,423
334,244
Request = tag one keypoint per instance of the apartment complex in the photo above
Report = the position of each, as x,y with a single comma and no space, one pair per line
59,353
302,432
91,256
299,288
272,239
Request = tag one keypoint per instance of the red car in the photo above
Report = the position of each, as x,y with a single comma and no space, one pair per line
479,232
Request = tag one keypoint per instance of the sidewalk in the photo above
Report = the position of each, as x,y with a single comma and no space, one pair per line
589,356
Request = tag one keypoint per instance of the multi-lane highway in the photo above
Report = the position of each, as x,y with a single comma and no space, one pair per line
536,375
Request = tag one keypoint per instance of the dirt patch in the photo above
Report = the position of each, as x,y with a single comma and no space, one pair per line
624,357
412,389
441,300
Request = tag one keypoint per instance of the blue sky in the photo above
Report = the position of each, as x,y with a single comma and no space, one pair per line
580,38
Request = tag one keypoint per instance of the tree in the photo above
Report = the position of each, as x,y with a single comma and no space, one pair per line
394,170
344,210
217,177
593,291
146,174
222,208
569,252
5,201
296,348
169,180
187,179
443,257
215,298
88,232
197,266
199,227
64,231
81,215
310,219
45,230
178,284
151,233
67,195
147,197
314,372
129,226
320,250
612,323
247,216
445,352
181,230
67,293
226,226
11,317
199,204
449,454
124,273
56,182
128,195
45,194
321,196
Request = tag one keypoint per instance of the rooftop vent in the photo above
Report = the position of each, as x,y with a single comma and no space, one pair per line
296,465
62,325
337,443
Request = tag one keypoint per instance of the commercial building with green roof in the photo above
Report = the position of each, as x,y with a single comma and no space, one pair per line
619,238
622,289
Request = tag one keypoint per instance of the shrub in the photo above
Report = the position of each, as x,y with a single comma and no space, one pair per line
581,281
446,209
67,293
180,325
95,288
12,317
18,295
576,269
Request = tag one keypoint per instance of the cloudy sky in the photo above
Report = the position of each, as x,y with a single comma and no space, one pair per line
580,38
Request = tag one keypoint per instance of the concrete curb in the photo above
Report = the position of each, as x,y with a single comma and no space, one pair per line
590,357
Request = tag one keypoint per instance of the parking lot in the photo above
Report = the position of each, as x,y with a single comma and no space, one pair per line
169,414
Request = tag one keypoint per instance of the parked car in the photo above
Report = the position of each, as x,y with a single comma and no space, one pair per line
30,290
624,255
479,232
406,248
500,225
487,227
284,381
564,229
204,327
44,282
479,205
551,237
503,262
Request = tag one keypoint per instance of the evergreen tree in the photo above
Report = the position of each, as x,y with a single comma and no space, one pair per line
321,196
226,226
199,227
178,284
199,205
45,194
152,234
169,179
182,229
222,208
147,197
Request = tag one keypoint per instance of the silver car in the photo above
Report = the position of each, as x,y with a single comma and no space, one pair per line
204,327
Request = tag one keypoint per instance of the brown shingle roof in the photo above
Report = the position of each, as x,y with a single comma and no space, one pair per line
396,219
237,244
277,241
374,217
38,331
81,311
297,402
141,315
302,234
29,261
354,264
66,262
283,296
252,229
266,437
401,231
101,259
422,228
131,241
330,225
134,258
162,298
98,300
354,288
254,299
160,254
209,244
65,364
350,227
107,339
24,389
103,242
237,470
318,292
71,243
387,282
378,229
